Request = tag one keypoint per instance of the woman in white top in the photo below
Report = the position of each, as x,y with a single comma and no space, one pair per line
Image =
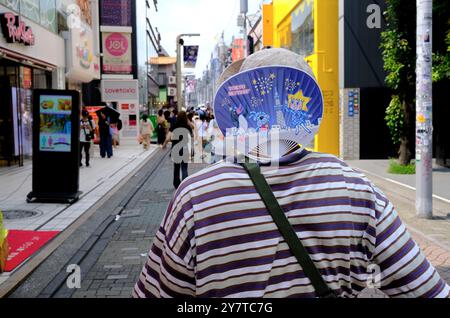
146,131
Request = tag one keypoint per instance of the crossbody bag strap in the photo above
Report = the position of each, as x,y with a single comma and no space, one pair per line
287,231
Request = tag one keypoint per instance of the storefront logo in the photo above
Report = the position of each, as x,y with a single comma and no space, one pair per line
84,52
116,44
15,30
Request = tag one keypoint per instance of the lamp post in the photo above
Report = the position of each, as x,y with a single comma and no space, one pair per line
180,43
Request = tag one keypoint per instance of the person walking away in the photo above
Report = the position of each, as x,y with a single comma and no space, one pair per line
202,134
181,131
86,137
173,118
222,234
146,131
105,133
160,128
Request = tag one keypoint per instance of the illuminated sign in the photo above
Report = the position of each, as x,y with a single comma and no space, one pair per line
55,123
15,30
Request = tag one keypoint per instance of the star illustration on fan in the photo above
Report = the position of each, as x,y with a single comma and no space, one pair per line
298,102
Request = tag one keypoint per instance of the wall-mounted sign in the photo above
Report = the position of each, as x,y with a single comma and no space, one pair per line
171,91
117,53
82,63
116,12
238,50
15,30
353,102
118,90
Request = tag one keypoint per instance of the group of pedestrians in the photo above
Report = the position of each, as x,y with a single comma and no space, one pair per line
173,127
106,130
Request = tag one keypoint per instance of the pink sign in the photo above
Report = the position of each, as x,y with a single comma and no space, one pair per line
117,53
116,44
15,30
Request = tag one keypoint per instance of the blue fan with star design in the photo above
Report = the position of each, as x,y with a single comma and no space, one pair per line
270,105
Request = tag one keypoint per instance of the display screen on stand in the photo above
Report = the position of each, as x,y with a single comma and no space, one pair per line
55,132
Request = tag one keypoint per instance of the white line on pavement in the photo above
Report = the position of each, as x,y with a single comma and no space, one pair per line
402,184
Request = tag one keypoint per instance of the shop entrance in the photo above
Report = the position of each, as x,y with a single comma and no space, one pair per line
16,88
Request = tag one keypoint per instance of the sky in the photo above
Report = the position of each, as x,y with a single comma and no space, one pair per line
207,17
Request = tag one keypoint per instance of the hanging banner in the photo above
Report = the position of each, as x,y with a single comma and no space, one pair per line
190,84
190,56
117,57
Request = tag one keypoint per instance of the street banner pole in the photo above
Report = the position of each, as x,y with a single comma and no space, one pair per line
424,111
180,43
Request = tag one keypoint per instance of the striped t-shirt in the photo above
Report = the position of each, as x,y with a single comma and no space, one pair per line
218,239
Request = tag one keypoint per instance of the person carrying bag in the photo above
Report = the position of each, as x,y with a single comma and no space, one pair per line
287,231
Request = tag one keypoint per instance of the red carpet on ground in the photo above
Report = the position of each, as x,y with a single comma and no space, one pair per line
23,244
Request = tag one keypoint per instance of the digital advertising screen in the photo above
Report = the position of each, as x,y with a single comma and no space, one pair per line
55,131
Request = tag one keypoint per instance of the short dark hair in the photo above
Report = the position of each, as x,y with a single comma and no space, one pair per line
167,115
161,112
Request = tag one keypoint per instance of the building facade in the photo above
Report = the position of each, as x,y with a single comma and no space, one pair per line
310,28
43,45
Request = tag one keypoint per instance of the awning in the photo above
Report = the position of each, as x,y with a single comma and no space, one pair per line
26,60
163,60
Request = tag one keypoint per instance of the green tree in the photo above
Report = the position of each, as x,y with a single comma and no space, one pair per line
398,44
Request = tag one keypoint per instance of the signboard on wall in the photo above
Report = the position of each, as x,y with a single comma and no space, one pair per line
238,50
15,30
117,53
119,90
82,64
130,119
116,12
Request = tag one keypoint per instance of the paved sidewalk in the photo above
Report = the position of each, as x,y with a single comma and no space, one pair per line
433,236
95,183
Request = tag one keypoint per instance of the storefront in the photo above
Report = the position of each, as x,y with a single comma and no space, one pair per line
31,57
310,28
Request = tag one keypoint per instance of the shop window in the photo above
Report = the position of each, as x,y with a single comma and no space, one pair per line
285,34
30,9
302,27
12,4
49,19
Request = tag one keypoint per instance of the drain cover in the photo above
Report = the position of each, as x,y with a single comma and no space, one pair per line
19,214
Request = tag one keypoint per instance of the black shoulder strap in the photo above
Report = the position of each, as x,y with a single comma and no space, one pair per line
288,232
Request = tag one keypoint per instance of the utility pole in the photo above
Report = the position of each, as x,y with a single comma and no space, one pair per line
244,11
424,110
180,43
